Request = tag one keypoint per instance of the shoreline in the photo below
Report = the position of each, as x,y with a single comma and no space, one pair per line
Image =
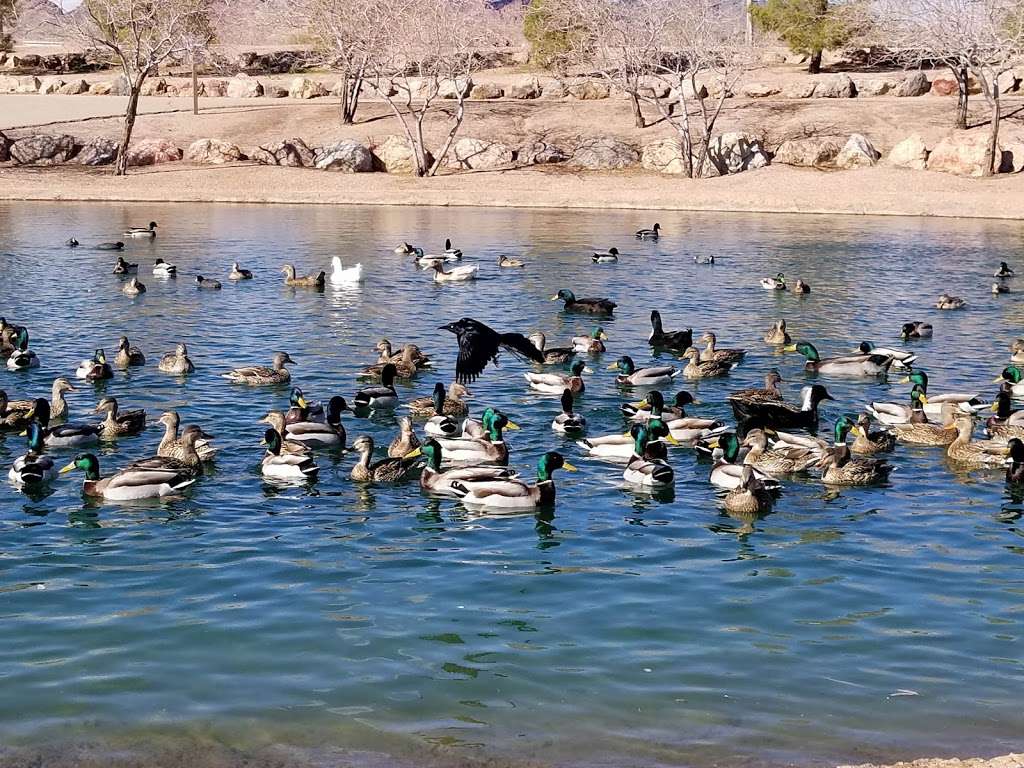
878,191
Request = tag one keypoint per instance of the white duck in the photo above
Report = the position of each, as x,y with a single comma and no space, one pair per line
455,274
341,275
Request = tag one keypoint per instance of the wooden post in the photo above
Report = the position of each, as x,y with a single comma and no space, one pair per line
195,86
749,23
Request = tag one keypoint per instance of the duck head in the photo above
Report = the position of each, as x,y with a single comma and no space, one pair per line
548,463
88,463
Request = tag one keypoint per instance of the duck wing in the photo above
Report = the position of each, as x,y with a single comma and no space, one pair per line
480,345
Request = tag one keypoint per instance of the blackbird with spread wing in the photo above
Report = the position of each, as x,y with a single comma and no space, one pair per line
480,345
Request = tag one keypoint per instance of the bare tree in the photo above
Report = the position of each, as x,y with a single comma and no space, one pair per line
424,58
140,36
979,38
8,20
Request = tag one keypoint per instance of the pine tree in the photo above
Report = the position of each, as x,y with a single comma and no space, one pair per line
807,26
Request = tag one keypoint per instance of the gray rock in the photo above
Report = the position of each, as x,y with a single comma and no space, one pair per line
244,87
28,85
910,153
858,152
915,84
759,90
603,153
43,149
215,88
540,153
735,152
275,91
50,85
153,152
486,91
74,88
811,152
345,157
292,153
477,154
101,88
304,88
664,156
453,89
962,153
394,155
213,152
99,151
877,86
590,90
799,89
835,87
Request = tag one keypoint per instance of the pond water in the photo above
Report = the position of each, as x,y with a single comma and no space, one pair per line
620,629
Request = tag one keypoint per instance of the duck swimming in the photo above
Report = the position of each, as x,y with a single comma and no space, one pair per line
282,465
133,288
592,344
947,302
206,284
340,275
128,484
555,383
436,481
857,366
177,362
610,256
777,283
65,435
127,355
631,376
237,273
515,495
587,306
383,471
382,397
162,269
22,358
35,467
678,341
317,280
916,330
455,274
506,263
649,234
568,422
329,433
782,416
119,423
554,355
257,375
122,267
96,369
149,231
778,335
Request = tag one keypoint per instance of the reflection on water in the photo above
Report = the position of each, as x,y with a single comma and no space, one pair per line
619,628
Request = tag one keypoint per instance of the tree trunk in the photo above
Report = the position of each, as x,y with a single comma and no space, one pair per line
814,67
993,157
460,115
195,86
638,114
346,118
353,87
962,84
135,89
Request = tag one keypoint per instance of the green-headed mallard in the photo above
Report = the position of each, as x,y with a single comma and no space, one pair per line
317,280
777,283
131,484
177,362
34,468
278,464
437,481
1014,376
553,355
750,497
276,420
95,369
647,467
257,375
966,452
173,447
22,358
568,422
711,354
587,306
489,449
649,234
857,366
611,256
678,341
65,435
300,409
119,423
695,369
778,334
901,358
769,414
149,231
515,495
621,447
839,467
866,442
383,471
1015,467
727,472
916,330
968,402
451,402
405,442
654,406
651,376
127,355
327,434
592,344
382,397
556,383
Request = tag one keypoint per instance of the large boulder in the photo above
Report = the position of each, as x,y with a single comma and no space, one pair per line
50,85
74,88
877,86
486,91
43,149
540,153
811,152
304,88
478,155
154,86
962,154
589,90
1012,157
213,152
101,88
909,153
835,87
242,86
28,84
799,89
8,84
153,152
394,155
735,152
1009,81
664,156
944,86
275,91
345,157
603,153
292,153
99,151
215,88
454,89
759,90
525,87
858,152
915,84
5,147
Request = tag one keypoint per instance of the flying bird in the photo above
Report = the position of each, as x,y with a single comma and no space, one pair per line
480,345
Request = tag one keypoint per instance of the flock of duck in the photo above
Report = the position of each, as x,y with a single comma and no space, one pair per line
453,454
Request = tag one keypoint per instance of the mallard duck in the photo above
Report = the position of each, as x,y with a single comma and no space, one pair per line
647,467
1017,351
173,447
128,484
506,263
58,405
514,495
300,409
435,481
568,422
278,464
382,397
1006,422
237,273
946,301
711,354
440,425
556,383
777,283
678,341
8,337
96,369
868,443
857,366
257,375
387,355
149,231
451,251
480,345
316,280
653,406
35,467
620,447
683,428
452,402
162,269
695,369
592,344
801,288
587,306
554,355
13,416
187,457
455,274
127,355
177,362
1004,270
919,431
276,421
122,267
607,257
901,358
916,330
998,288
750,497
726,472
384,471
770,393
407,249
1015,467
65,435
475,428
405,365
133,288
206,284
1014,376
964,401
117,246
778,335
341,275
22,358
781,415
72,243
489,449
649,234
974,453
631,376
327,434
705,261
840,468
119,424
405,442
783,459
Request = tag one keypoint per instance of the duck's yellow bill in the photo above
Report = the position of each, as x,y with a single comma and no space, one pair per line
905,380
588,370
25,433
994,407
31,413
569,467
69,468
302,402
613,367
414,453
789,348
602,336
671,440
641,405
714,443
923,399
997,380
554,298
513,426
